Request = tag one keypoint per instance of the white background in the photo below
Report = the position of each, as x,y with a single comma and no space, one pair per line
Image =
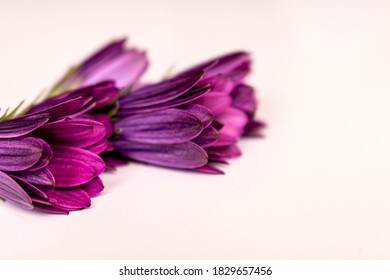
317,187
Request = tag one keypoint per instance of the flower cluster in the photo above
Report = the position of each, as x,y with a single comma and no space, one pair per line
99,115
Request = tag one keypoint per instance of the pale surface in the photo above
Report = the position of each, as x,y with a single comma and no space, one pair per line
318,186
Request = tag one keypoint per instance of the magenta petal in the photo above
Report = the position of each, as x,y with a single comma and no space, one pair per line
49,209
68,199
87,157
39,177
93,187
22,125
182,155
70,172
73,132
11,191
106,121
231,151
234,122
209,169
19,154
99,147
216,101
165,127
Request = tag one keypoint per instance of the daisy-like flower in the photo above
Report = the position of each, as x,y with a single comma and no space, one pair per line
49,157
192,120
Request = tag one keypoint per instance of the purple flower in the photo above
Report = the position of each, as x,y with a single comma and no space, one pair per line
192,120
112,62
49,157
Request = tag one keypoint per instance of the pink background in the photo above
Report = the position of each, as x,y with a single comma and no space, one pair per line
316,188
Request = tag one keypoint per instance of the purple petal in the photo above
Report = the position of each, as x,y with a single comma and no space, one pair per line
244,99
161,92
70,172
103,55
216,101
101,93
47,154
208,137
19,154
253,128
93,187
73,132
226,65
165,127
201,112
182,155
229,63
186,98
231,151
22,125
88,157
11,191
113,160
217,125
209,169
29,188
58,109
39,177
49,209
125,69
68,199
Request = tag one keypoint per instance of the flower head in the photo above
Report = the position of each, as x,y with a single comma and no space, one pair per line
191,120
49,156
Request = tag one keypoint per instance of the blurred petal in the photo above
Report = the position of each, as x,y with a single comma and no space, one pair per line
231,151
244,99
234,122
201,112
125,69
208,137
182,155
209,169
